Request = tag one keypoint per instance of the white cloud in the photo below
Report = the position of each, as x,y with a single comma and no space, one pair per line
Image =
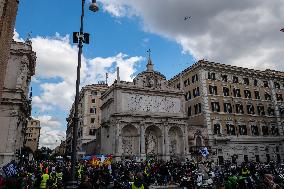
97,68
56,77
16,37
243,33
51,133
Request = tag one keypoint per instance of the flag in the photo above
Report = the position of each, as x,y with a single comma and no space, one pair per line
204,152
95,161
108,160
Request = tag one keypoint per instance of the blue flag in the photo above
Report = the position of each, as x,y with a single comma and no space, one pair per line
204,152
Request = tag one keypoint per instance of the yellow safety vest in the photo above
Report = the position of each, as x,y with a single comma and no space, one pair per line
135,187
45,177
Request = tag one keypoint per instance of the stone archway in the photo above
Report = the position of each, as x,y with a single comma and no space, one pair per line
130,143
153,140
176,144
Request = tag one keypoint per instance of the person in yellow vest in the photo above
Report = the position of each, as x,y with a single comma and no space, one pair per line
139,182
245,171
44,179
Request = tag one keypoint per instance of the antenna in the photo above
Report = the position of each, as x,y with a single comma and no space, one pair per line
106,77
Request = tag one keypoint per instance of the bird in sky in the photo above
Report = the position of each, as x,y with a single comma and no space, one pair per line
187,17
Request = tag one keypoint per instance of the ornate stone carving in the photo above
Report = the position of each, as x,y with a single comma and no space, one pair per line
151,143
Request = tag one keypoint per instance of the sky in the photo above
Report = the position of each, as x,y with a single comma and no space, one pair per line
243,33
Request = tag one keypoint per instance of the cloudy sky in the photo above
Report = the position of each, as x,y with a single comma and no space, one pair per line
242,33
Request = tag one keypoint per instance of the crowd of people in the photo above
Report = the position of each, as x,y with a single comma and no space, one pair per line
141,175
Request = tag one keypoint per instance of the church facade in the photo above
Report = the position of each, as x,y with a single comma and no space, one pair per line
144,118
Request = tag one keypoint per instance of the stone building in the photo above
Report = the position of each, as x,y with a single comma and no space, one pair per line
60,150
15,106
8,12
143,118
239,111
89,117
32,134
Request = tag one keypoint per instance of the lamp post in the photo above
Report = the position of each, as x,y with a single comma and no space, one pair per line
80,38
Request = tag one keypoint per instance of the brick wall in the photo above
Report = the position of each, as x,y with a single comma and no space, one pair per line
8,12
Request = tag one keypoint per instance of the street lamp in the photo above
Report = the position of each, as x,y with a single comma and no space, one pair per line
80,38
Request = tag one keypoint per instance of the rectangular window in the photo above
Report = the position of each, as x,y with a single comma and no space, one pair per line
226,91
211,75
250,109
196,92
270,111
239,109
92,132
189,111
93,100
188,96
254,130
194,78
237,93
227,108
215,106
230,129
255,82
267,96
197,108
213,90
91,110
217,129
256,95
178,85
235,79
265,83
246,81
242,129
260,110
274,130
247,94
92,120
265,131
224,78
279,97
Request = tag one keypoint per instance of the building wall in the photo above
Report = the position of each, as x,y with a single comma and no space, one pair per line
90,117
222,143
15,107
32,134
8,12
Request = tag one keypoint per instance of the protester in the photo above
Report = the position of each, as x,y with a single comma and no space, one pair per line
139,175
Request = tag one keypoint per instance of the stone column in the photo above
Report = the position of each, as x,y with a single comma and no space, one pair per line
118,141
142,142
185,140
166,152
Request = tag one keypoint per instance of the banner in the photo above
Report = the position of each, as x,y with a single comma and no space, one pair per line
10,170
